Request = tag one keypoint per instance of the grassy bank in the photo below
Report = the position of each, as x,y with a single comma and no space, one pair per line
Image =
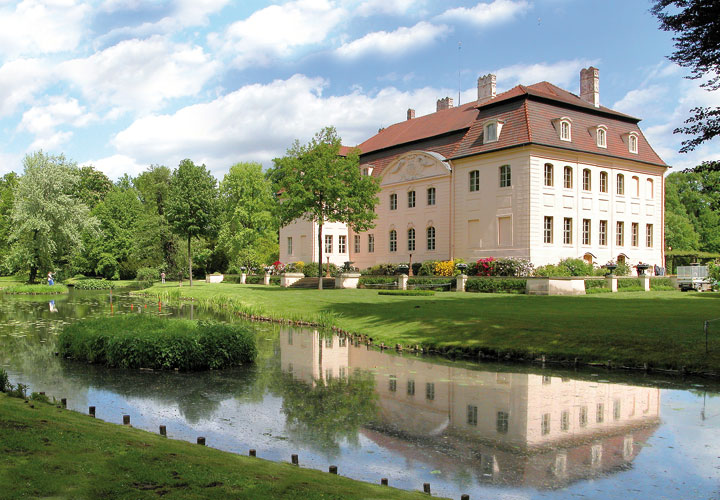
663,329
142,341
51,453
36,289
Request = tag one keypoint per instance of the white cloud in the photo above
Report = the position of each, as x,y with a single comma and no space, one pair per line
259,122
141,75
395,42
276,31
10,162
564,74
117,165
43,121
42,27
375,7
19,81
639,102
485,14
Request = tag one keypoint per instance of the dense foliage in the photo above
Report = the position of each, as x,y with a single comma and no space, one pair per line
93,284
143,341
496,285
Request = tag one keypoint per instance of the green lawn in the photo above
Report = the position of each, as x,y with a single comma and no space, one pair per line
663,329
8,281
46,452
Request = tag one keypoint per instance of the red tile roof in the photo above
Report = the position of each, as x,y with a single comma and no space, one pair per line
527,112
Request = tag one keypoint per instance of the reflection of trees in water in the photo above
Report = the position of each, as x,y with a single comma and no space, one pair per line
333,410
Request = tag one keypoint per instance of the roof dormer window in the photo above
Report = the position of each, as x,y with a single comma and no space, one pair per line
367,170
564,127
633,142
491,131
601,136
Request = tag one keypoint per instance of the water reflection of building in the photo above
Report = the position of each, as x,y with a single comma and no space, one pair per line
508,428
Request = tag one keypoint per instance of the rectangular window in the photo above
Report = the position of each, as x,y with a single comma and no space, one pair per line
371,243
620,234
393,383
503,420
616,409
548,230
620,184
505,178
568,177
567,230
649,235
603,182
472,415
328,243
548,175
583,416
393,201
635,234
587,180
586,231
475,180
411,388
602,233
565,421
356,239
545,425
431,238
289,248
411,240
431,196
430,391
342,244
600,413
411,199
393,241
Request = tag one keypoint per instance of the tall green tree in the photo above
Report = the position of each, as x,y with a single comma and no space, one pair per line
92,186
8,185
48,219
192,206
697,46
315,183
249,231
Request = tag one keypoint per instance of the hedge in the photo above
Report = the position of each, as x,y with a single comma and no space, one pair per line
496,285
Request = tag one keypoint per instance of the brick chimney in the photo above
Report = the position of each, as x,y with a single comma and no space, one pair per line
590,86
486,88
445,103
411,113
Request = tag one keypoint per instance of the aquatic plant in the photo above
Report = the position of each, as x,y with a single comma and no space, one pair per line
142,341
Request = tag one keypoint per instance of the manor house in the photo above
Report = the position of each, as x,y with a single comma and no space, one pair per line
535,172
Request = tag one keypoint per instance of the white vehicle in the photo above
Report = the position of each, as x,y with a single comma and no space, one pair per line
693,277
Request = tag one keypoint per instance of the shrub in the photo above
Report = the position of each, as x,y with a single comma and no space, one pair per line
594,284
482,267
143,341
496,285
311,269
147,274
427,268
295,267
444,268
512,266
407,292
4,380
427,283
369,281
91,284
566,267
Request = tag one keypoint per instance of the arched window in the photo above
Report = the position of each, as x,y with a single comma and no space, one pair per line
601,137
587,180
568,177
411,239
633,142
649,189
603,182
431,238
548,174
565,130
620,184
393,240
491,132
636,186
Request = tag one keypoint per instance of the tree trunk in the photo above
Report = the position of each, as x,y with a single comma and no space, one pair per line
33,274
190,260
320,255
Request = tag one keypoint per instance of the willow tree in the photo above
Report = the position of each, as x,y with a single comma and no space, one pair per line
314,182
192,206
48,219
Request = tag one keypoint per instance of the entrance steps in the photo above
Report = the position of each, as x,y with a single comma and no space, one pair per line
313,283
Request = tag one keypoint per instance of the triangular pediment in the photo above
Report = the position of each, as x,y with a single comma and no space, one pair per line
415,165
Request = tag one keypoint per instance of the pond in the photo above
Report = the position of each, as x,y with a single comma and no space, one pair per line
488,430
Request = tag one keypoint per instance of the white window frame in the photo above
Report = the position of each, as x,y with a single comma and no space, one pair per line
356,243
430,242
548,222
567,179
474,180
492,125
431,196
393,201
633,140
620,185
505,172
411,239
601,136
371,243
649,236
567,231
289,245
342,244
587,176
604,182
549,175
620,233
587,232
328,243
565,130
411,198
602,233
393,241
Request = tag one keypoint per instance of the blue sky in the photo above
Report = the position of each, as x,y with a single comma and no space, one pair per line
123,84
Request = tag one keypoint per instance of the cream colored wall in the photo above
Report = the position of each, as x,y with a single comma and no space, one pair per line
577,204
490,203
304,235
311,357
